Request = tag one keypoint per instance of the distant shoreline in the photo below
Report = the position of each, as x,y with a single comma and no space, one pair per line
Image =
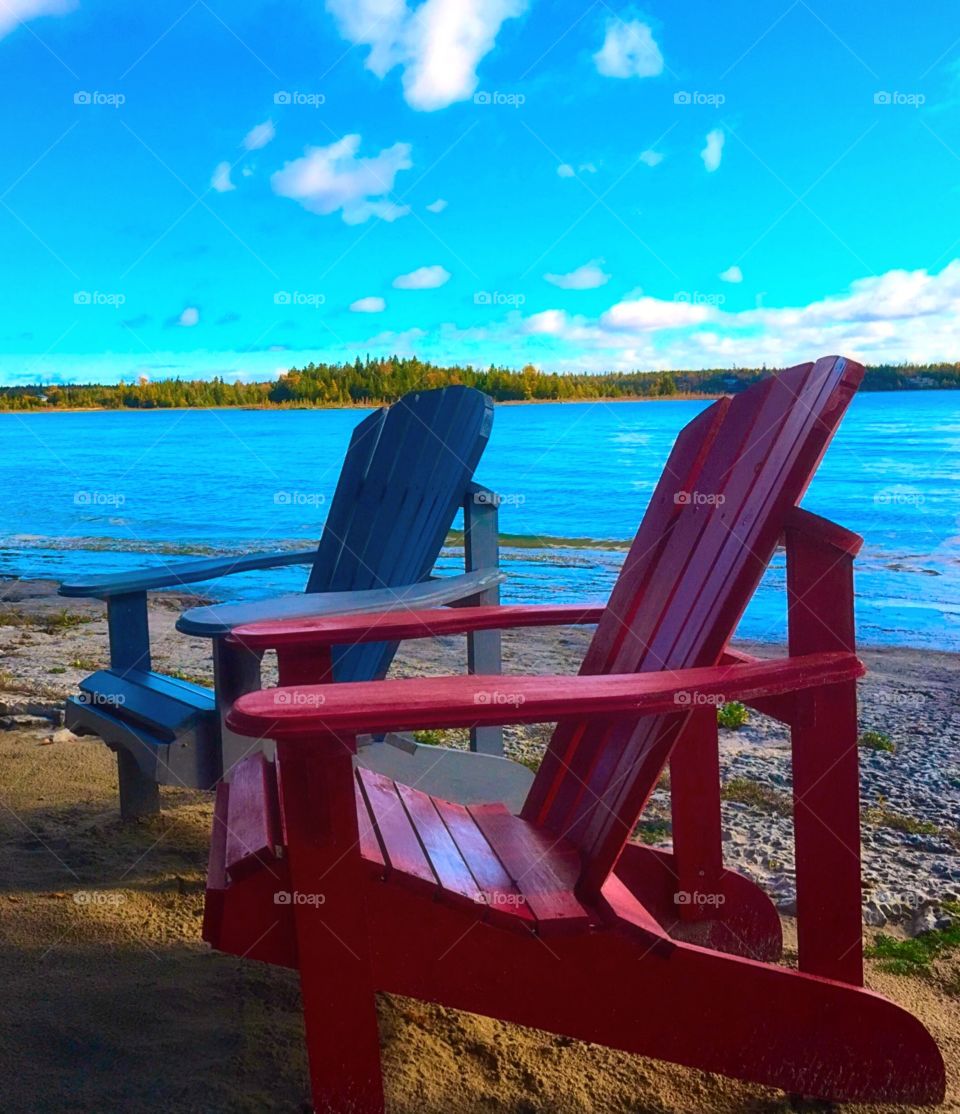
339,405
684,397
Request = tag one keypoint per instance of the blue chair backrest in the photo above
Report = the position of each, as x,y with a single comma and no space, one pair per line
403,479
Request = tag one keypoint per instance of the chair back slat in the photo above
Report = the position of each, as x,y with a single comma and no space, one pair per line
404,477
708,535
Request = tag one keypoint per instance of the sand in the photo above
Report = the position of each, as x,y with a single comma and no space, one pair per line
112,1002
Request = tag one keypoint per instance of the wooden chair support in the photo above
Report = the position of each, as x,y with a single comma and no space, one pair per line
481,543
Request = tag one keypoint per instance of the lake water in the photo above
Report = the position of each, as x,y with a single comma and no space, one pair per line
111,490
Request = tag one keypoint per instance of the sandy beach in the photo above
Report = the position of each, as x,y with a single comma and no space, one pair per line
114,1003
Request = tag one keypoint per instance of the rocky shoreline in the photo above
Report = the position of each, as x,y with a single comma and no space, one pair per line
910,794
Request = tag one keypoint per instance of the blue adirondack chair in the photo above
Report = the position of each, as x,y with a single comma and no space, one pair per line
407,471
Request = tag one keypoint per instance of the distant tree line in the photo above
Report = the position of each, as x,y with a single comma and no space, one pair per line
381,380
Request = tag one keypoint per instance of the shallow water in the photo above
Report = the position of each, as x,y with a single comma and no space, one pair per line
107,490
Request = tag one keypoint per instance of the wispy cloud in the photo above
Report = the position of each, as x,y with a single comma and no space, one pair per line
438,45
368,305
629,50
259,136
712,152
423,278
331,179
221,177
15,12
588,277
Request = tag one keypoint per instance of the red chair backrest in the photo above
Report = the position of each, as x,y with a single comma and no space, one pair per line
709,533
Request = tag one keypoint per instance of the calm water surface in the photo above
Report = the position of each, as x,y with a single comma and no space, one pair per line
110,490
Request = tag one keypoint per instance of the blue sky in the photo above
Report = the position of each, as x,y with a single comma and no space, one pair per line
198,188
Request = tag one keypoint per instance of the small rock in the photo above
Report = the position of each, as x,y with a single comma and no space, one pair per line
61,735
923,921
872,915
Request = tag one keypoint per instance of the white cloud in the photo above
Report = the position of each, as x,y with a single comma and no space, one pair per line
713,151
368,305
645,314
327,179
259,136
221,178
189,317
565,170
15,12
629,50
731,274
588,277
423,278
437,206
438,44
651,158
897,316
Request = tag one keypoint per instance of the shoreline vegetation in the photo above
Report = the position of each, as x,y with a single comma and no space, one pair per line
374,382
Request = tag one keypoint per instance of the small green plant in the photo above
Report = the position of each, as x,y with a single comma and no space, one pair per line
429,738
193,678
733,716
877,740
82,663
652,831
748,792
880,816
63,620
915,956
57,669
532,762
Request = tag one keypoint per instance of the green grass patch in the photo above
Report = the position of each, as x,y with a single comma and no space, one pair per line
191,678
915,956
733,716
879,816
53,623
877,740
748,792
86,664
431,738
652,831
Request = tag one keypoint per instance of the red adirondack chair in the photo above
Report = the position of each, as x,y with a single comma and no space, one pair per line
554,918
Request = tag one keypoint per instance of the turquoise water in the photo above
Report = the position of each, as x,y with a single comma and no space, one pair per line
104,491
